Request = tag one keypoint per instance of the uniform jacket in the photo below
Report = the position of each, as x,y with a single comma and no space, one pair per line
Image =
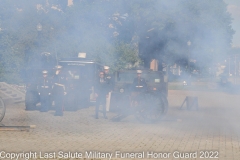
110,81
139,85
59,83
44,86
102,86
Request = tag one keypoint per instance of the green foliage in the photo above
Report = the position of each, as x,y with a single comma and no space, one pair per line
116,33
119,56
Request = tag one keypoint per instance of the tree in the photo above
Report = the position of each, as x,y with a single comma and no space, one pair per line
168,26
88,29
116,33
21,43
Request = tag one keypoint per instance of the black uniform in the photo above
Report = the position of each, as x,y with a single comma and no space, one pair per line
103,87
58,91
110,81
44,89
139,85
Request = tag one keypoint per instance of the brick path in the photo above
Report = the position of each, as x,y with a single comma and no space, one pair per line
213,128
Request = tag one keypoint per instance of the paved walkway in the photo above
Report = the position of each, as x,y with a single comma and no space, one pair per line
212,132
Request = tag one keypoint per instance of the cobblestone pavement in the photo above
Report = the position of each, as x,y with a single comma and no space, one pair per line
212,132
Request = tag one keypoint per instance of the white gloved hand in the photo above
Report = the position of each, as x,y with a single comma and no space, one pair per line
65,93
39,93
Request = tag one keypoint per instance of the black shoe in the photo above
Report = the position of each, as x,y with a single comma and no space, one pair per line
96,117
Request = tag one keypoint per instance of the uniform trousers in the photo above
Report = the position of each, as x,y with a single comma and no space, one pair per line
101,100
45,102
59,104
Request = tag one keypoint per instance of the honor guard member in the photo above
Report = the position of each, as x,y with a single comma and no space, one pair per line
110,84
108,77
58,91
106,70
44,90
139,86
102,92
139,83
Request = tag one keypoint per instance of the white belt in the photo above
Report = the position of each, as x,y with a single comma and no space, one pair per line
61,85
58,84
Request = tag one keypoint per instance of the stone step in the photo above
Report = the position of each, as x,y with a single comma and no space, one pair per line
14,95
7,101
10,94
18,98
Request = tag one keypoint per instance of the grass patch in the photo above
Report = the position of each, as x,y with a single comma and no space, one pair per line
193,87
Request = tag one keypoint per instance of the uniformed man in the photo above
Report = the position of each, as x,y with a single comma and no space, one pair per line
106,70
139,83
44,90
109,78
59,91
102,92
107,75
139,86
